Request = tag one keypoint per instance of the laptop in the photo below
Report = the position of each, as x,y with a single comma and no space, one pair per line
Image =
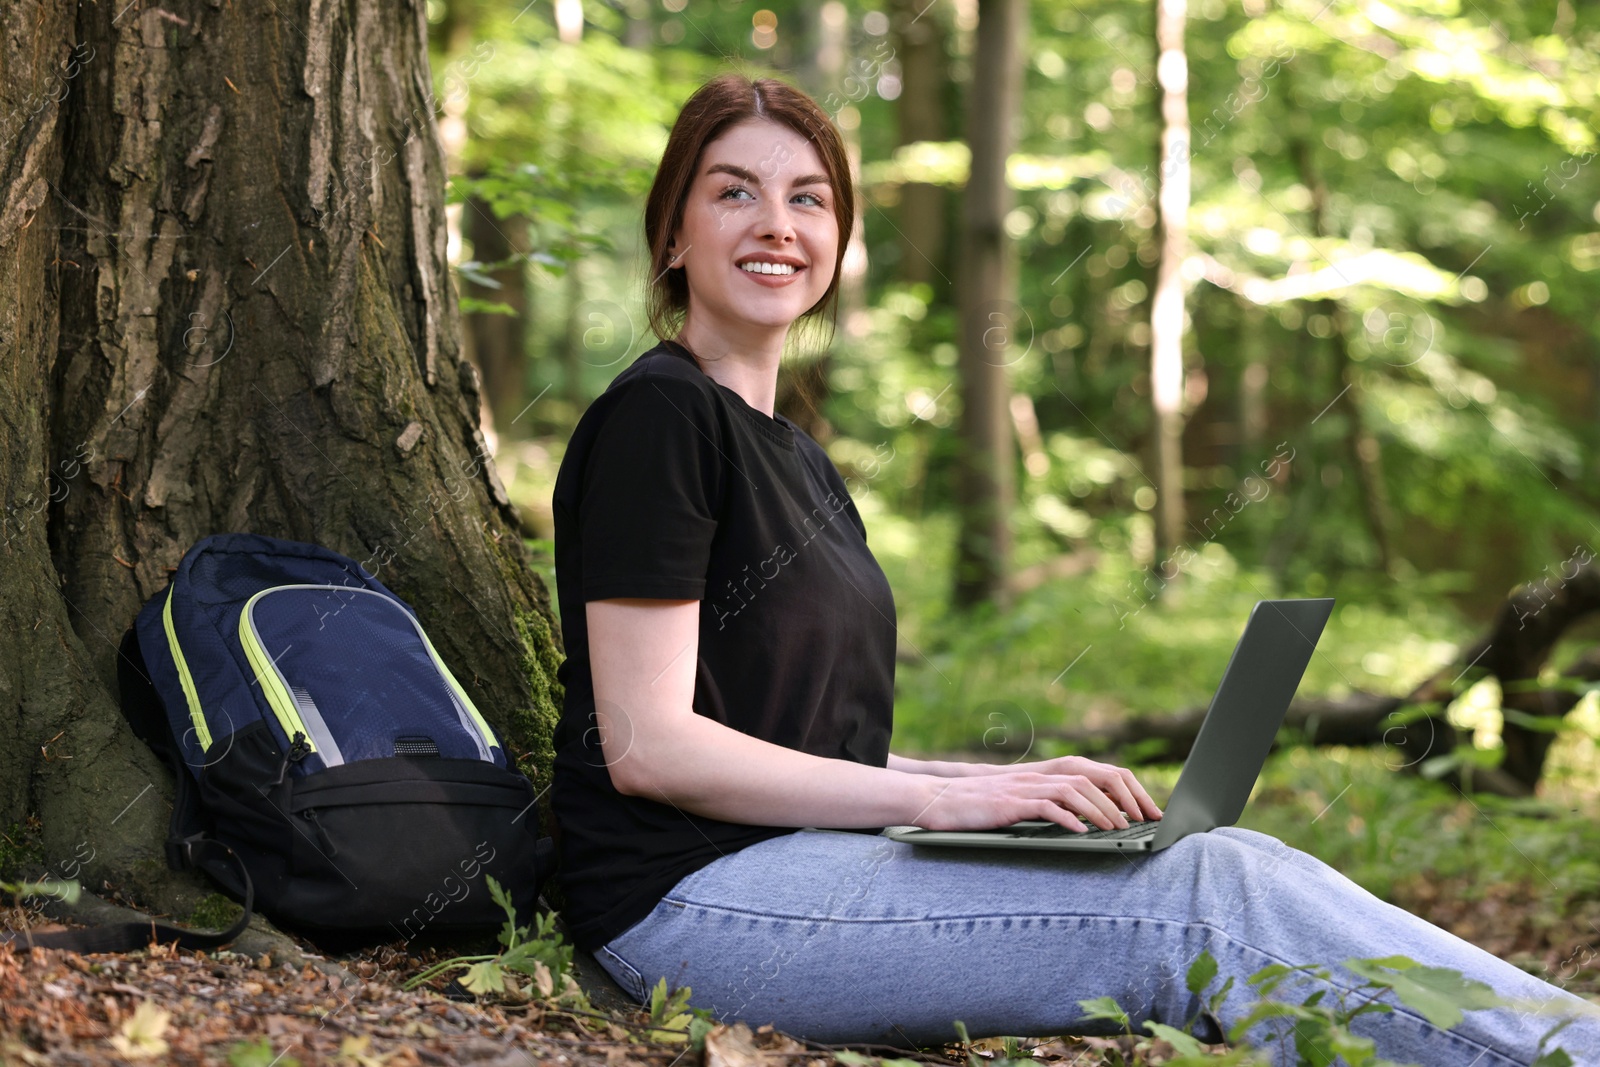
1235,737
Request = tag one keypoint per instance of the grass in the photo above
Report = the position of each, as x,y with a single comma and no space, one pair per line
1080,652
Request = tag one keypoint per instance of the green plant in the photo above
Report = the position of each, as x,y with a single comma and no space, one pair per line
66,891
537,952
1190,1053
258,1053
673,1020
1318,1028
1011,1054
215,912
20,848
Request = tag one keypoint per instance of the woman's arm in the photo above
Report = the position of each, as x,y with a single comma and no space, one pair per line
642,656
942,769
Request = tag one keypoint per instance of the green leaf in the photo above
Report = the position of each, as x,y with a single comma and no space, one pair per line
1441,995
498,894
1270,977
854,1059
1554,1058
1398,963
1180,1041
1539,723
473,306
1355,1051
1436,767
1201,972
1104,1008
698,1029
258,1054
485,977
1220,995
1261,1012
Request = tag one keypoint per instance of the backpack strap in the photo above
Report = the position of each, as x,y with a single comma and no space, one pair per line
124,937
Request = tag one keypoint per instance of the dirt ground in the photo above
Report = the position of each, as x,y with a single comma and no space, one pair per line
169,1006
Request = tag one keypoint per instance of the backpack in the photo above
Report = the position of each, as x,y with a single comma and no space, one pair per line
330,768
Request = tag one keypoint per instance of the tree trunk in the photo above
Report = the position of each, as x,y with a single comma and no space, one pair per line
1359,440
988,313
920,112
498,341
1252,384
1166,304
257,332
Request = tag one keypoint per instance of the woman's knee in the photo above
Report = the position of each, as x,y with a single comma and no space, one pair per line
1233,881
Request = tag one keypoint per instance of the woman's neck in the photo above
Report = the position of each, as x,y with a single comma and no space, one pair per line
747,365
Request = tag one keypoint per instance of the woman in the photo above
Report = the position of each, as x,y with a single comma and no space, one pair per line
723,764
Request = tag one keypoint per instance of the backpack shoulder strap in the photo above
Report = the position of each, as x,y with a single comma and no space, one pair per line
124,937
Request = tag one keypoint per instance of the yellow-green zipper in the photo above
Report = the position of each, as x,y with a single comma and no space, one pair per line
267,675
202,732
283,704
466,701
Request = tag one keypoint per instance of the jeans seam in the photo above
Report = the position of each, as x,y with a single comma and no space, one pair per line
902,919
631,973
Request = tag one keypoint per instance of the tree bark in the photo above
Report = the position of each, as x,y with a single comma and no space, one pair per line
235,221
989,316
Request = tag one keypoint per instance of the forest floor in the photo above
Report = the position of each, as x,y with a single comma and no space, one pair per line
168,1006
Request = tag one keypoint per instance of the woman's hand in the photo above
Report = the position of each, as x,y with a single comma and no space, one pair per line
1070,790
1118,782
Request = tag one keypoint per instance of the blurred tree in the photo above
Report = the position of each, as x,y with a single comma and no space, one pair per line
496,307
988,310
919,42
1167,302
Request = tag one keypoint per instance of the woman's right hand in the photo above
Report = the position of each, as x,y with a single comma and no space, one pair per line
989,801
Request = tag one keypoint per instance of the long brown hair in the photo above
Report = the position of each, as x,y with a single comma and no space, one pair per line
725,101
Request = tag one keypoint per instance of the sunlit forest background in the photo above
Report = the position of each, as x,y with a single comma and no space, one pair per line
1386,376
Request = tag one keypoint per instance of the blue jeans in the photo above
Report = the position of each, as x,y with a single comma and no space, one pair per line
853,938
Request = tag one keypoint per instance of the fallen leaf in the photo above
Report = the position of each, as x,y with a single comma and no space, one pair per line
140,1035
732,1046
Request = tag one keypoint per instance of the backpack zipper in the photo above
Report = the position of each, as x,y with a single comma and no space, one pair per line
310,816
298,750
269,678
275,686
202,730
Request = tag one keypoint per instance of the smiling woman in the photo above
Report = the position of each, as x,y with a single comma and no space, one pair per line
722,767
754,174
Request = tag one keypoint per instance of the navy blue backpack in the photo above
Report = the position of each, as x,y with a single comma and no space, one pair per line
330,768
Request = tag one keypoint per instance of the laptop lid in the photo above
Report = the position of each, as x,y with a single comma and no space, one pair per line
1243,719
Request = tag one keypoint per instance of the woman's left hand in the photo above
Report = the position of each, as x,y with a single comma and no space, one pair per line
1118,783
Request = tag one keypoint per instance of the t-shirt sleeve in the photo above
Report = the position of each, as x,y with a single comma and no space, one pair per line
651,493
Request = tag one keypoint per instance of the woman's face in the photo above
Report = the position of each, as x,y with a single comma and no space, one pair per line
759,237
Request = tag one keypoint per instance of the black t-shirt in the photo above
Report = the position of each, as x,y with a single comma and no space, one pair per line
673,487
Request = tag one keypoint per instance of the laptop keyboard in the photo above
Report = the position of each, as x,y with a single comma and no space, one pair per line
1134,830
